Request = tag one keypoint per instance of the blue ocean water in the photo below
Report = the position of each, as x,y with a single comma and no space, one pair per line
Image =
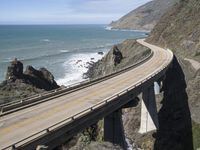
65,50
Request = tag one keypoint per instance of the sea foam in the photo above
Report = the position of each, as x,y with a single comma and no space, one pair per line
76,66
45,40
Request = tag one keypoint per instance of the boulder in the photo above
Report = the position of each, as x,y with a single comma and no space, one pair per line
32,72
41,78
47,75
15,70
117,55
100,53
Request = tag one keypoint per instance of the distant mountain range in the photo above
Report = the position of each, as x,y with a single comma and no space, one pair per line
144,17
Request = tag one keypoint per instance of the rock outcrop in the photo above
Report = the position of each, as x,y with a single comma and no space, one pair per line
19,84
117,55
144,17
15,70
129,52
42,78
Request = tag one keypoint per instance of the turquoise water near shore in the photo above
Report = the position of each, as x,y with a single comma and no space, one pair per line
65,50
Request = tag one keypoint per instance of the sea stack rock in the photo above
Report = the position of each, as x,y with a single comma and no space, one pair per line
100,53
47,75
117,55
41,78
15,70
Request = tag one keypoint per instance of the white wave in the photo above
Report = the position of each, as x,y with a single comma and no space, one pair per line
125,30
45,40
64,50
108,28
78,65
9,59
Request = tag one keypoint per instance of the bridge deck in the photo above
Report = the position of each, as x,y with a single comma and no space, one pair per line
21,124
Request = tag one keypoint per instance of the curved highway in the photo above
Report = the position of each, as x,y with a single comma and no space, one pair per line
19,125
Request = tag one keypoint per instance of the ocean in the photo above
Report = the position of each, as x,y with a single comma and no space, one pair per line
65,50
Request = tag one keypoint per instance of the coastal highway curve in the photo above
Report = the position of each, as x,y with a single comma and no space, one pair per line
54,121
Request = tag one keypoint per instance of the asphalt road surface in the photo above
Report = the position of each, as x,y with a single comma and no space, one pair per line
21,124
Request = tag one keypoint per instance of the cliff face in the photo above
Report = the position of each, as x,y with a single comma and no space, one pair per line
144,17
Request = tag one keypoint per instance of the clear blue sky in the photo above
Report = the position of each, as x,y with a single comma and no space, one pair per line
64,11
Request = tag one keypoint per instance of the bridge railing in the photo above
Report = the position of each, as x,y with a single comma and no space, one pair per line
68,120
46,96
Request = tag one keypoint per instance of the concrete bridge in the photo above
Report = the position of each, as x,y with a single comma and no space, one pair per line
53,118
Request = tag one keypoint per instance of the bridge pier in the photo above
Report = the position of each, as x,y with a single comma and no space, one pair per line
113,129
149,117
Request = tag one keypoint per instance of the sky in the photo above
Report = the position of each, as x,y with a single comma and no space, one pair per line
65,11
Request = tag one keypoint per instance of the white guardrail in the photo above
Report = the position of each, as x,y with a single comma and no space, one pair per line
90,109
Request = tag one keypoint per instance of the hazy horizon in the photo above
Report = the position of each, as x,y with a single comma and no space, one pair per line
62,12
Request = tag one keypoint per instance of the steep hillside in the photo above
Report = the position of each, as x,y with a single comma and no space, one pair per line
179,30
144,17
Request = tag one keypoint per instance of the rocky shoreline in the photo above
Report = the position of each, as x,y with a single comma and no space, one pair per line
19,84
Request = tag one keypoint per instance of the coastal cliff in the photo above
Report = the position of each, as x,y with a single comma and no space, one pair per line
144,17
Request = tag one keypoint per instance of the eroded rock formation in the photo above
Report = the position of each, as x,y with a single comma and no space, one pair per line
117,54
15,70
19,84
